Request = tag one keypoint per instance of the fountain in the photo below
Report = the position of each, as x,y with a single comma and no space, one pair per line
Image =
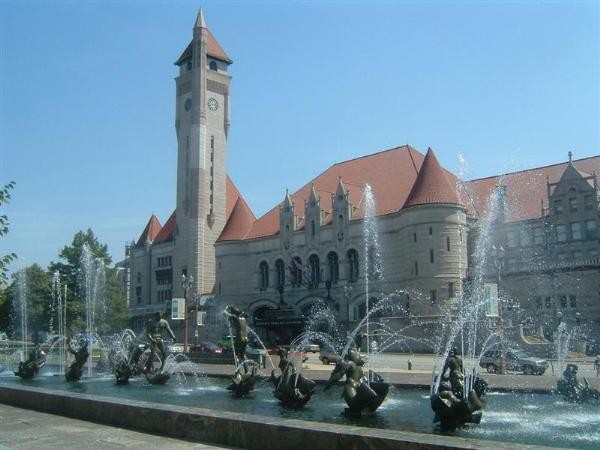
91,284
58,310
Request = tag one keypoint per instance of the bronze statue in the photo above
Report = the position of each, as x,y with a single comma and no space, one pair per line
29,368
451,406
291,387
75,370
238,325
154,333
361,395
242,379
572,389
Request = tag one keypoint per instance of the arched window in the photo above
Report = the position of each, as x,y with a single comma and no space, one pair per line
352,257
212,65
296,271
280,272
314,271
334,267
313,229
263,269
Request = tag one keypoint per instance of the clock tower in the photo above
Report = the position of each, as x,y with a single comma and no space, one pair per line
201,123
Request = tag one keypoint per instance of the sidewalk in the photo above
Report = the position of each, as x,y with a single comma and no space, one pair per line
25,429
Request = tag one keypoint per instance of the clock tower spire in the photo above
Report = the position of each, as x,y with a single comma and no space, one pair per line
201,124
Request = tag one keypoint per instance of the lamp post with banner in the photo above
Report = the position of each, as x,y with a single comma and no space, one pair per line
186,284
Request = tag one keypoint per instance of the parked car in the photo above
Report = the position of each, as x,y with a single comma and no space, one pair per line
514,361
327,355
206,347
309,347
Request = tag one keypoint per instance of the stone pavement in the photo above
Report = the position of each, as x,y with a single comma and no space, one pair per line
24,429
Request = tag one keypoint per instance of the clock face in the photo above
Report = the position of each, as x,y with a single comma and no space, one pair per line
213,104
188,104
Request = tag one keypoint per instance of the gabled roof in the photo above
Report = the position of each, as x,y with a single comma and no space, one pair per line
391,174
213,49
166,234
432,185
526,189
239,223
150,232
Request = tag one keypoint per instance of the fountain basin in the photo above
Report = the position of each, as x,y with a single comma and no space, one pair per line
519,420
223,427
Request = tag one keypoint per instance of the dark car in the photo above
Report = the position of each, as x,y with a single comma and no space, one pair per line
206,347
327,355
514,361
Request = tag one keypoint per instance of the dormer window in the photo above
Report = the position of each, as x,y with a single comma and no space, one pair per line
572,204
212,65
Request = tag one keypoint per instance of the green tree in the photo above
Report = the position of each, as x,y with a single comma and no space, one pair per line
38,295
70,270
5,325
5,260
116,305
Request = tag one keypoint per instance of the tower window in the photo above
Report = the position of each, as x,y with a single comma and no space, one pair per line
212,142
448,243
450,289
334,268
430,231
352,257
314,271
433,296
212,65
313,229
414,237
280,272
416,269
431,256
573,204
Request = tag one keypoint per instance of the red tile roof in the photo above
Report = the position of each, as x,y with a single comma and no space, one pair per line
166,233
525,190
239,222
213,49
150,232
391,174
432,185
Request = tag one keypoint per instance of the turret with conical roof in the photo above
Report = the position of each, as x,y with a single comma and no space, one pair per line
432,185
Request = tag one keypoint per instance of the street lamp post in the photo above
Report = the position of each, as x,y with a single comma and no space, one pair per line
196,333
186,284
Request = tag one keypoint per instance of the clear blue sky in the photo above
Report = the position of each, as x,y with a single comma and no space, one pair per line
87,98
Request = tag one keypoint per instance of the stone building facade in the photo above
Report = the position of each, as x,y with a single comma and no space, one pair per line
310,249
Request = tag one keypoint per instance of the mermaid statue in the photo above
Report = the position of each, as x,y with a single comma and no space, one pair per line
29,368
454,404
75,370
158,351
572,389
291,387
362,395
243,379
